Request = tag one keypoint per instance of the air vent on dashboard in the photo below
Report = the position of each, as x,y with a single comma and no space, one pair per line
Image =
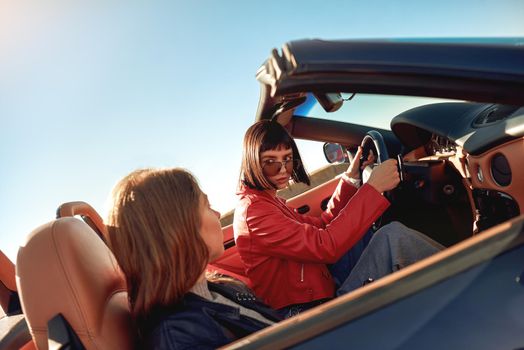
500,170
493,114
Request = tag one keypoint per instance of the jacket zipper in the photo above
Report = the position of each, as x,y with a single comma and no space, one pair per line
302,273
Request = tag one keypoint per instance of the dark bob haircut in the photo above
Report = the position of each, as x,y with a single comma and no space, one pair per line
262,136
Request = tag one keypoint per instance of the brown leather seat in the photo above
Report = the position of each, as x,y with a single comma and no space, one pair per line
64,267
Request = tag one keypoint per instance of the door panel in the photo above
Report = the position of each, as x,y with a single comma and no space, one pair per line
481,308
314,197
468,296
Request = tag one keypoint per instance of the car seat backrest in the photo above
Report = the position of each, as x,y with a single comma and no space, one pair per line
8,294
88,214
64,268
7,272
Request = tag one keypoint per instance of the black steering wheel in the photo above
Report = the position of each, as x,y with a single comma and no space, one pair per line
372,142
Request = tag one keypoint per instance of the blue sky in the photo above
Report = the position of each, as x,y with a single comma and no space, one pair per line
91,90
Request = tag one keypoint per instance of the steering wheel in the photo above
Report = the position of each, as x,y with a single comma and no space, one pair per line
374,142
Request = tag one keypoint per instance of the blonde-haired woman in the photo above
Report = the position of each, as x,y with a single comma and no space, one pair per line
163,233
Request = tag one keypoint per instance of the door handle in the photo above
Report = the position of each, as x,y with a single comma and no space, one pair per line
303,209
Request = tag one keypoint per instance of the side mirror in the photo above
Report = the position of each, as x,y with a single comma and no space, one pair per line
334,153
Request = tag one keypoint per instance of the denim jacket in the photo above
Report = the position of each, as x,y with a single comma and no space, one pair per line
197,323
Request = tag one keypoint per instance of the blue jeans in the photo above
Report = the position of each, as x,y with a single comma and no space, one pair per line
391,248
342,268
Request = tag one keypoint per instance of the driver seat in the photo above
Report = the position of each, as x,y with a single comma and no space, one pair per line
65,269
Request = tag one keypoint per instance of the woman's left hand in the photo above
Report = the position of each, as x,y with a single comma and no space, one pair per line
353,169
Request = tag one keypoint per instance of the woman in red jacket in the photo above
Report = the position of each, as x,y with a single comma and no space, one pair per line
286,254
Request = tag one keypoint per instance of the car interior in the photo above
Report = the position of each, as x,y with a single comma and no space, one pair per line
459,164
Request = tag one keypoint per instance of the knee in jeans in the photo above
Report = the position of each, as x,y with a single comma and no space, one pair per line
395,225
391,229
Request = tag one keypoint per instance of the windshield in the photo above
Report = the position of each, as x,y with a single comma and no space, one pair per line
366,109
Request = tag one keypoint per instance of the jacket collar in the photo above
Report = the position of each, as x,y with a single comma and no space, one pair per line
239,294
245,190
244,297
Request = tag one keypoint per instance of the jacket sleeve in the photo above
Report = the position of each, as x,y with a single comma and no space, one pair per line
274,233
343,192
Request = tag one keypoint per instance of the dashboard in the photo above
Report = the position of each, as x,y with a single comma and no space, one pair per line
482,144
440,146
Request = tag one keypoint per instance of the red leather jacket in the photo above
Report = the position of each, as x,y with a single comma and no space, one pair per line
285,253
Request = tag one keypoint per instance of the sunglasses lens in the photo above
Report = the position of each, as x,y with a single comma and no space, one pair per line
271,169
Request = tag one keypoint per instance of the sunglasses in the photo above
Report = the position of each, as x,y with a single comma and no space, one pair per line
272,167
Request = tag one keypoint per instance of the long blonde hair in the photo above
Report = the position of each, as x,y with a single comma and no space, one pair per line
153,231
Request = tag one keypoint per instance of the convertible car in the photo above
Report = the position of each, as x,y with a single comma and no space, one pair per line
451,113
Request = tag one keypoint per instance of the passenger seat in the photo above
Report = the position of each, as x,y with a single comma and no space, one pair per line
65,269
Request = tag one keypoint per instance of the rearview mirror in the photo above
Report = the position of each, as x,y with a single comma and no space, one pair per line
331,102
334,153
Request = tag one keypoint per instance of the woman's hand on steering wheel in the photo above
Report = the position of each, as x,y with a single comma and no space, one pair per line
385,176
356,166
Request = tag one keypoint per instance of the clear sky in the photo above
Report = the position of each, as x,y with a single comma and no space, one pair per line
91,90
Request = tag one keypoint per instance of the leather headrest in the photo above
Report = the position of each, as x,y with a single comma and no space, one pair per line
65,268
87,212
